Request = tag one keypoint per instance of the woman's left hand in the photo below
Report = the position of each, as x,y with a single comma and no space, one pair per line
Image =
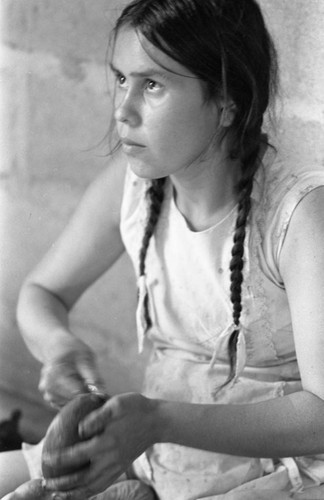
115,435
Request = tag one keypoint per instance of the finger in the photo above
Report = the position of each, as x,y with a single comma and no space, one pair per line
68,482
60,385
95,479
70,495
73,457
54,401
94,423
80,454
69,386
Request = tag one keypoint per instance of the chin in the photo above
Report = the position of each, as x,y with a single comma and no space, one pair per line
143,169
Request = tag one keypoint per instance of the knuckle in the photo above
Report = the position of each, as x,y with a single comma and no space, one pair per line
97,443
41,385
118,404
46,396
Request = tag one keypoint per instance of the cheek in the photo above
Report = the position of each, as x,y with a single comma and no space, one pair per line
191,129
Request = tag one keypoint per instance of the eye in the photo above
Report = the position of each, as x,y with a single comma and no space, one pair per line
120,79
152,86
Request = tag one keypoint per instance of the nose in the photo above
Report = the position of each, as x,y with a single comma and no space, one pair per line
126,108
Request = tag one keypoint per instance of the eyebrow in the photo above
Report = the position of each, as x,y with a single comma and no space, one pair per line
148,72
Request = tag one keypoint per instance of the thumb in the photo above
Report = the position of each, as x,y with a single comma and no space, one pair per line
89,372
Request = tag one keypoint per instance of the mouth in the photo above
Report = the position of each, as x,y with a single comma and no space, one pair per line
128,142
131,147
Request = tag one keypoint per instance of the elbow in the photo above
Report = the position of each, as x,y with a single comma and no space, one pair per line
22,301
25,306
33,301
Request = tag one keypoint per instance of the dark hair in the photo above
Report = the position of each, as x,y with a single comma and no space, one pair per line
226,44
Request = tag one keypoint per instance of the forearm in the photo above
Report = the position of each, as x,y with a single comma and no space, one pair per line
289,426
43,320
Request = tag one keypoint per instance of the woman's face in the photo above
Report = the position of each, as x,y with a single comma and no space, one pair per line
163,118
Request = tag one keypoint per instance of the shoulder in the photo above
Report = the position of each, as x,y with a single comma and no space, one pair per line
281,188
281,181
304,237
105,193
112,179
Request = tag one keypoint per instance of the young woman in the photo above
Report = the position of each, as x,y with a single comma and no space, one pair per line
226,237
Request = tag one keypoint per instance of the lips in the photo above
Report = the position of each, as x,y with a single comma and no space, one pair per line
129,142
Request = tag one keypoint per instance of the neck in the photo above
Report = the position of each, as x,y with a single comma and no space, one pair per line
205,192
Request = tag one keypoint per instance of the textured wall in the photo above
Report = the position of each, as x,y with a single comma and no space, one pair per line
298,29
55,109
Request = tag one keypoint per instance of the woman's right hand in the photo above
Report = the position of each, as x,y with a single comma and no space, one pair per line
71,370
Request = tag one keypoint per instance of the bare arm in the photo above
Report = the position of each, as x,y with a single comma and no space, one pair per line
89,245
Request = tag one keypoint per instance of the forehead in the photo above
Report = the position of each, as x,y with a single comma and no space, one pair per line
134,53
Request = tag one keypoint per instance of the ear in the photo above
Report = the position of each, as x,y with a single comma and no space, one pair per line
228,112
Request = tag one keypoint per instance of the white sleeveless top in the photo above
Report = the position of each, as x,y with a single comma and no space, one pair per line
187,278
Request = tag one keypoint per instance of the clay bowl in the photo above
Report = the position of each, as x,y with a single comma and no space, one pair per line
63,430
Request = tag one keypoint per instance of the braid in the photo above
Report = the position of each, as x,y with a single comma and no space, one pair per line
249,166
236,267
155,194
